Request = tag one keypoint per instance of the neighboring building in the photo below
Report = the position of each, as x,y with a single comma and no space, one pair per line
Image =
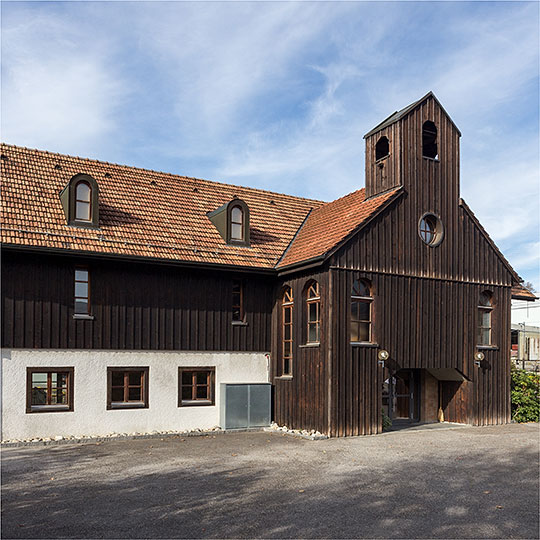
525,352
129,295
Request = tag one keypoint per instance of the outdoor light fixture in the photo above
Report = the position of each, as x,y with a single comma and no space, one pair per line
382,355
478,357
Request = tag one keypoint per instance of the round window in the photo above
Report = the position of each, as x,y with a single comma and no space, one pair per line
430,229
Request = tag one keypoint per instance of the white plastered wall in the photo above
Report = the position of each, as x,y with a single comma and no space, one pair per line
90,415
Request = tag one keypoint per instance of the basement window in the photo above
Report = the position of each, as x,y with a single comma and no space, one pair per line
429,140
382,148
196,386
49,389
127,388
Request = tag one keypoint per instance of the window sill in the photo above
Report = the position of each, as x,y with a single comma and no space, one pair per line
284,378
437,160
83,317
367,344
240,323
487,347
84,225
127,405
308,345
49,408
196,403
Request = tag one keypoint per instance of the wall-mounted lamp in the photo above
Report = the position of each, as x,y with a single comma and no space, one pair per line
382,355
478,357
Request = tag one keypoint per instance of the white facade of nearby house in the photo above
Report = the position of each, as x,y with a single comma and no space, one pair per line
526,312
526,334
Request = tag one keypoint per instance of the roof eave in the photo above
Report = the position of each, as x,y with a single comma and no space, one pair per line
138,258
405,112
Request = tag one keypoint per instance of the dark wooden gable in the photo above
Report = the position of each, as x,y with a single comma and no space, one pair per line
391,243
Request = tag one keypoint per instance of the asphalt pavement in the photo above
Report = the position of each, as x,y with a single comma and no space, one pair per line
445,483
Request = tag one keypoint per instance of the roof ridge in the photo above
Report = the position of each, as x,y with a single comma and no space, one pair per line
169,174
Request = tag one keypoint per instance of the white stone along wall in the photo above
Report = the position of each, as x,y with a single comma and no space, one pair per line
90,415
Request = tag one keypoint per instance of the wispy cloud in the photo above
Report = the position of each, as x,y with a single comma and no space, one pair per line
279,95
58,92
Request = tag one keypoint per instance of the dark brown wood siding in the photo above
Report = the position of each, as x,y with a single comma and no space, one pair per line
423,323
135,306
301,401
385,173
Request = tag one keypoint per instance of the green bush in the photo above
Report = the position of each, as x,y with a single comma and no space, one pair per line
386,422
525,396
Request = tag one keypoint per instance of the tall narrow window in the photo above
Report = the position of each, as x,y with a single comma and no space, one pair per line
485,308
127,387
361,300
382,148
287,304
82,292
429,140
237,223
237,301
83,204
313,304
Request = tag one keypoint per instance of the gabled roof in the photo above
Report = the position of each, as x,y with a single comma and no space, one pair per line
519,292
483,231
398,115
142,213
331,224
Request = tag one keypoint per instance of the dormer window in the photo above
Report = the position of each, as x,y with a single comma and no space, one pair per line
83,201
237,223
382,148
232,222
429,140
80,200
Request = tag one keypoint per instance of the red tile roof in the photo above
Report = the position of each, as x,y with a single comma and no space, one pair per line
519,292
159,215
331,223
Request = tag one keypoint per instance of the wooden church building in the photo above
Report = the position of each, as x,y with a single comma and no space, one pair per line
129,295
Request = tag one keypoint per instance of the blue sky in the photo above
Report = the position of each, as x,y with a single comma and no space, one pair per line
278,95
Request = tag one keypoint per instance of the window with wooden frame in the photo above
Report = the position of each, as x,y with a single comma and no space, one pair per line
49,389
82,291
196,386
237,301
361,300
80,201
430,229
83,201
313,307
287,304
485,310
237,223
127,387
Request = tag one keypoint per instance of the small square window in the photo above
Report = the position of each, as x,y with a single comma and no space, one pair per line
127,388
49,389
196,386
